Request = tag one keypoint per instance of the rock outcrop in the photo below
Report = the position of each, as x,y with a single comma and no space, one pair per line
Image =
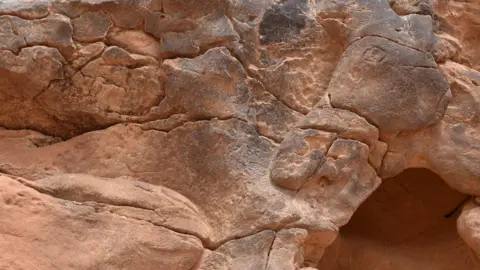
225,134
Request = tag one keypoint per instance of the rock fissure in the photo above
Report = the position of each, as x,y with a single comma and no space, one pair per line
268,254
389,39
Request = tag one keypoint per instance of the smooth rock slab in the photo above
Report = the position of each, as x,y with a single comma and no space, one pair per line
27,9
63,234
393,86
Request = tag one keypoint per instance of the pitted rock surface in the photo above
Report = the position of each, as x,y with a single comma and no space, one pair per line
227,134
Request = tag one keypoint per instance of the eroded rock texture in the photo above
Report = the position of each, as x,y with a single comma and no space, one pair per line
230,134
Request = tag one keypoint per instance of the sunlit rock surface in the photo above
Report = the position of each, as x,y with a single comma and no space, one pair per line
239,134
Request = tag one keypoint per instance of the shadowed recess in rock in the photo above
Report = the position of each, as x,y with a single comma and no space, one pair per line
402,225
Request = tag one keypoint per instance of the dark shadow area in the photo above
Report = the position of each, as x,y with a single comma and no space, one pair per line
404,225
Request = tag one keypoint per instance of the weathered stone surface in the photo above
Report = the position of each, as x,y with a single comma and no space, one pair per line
54,31
369,18
298,82
464,82
447,48
315,246
393,164
177,44
347,125
301,153
9,39
460,20
65,234
26,9
468,226
91,26
226,134
157,23
228,154
30,72
251,252
111,84
340,185
449,148
130,198
87,53
124,13
293,54
214,29
193,8
405,7
135,41
168,124
221,90
270,117
117,56
410,93
284,20
287,250
212,260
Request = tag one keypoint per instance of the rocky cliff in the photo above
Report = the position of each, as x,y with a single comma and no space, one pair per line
239,134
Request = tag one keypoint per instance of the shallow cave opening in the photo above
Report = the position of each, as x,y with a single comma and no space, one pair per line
404,225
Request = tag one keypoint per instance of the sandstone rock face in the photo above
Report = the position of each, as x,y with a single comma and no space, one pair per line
459,20
226,134
60,233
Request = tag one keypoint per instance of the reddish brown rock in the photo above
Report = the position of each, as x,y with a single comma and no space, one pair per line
91,26
209,150
127,14
251,252
220,90
347,125
191,8
301,153
468,226
135,41
226,134
340,185
157,23
130,198
10,40
26,9
450,147
460,20
270,117
286,251
64,233
410,95
54,31
38,65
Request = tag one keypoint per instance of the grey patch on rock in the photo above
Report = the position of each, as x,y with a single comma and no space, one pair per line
91,26
374,55
284,20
